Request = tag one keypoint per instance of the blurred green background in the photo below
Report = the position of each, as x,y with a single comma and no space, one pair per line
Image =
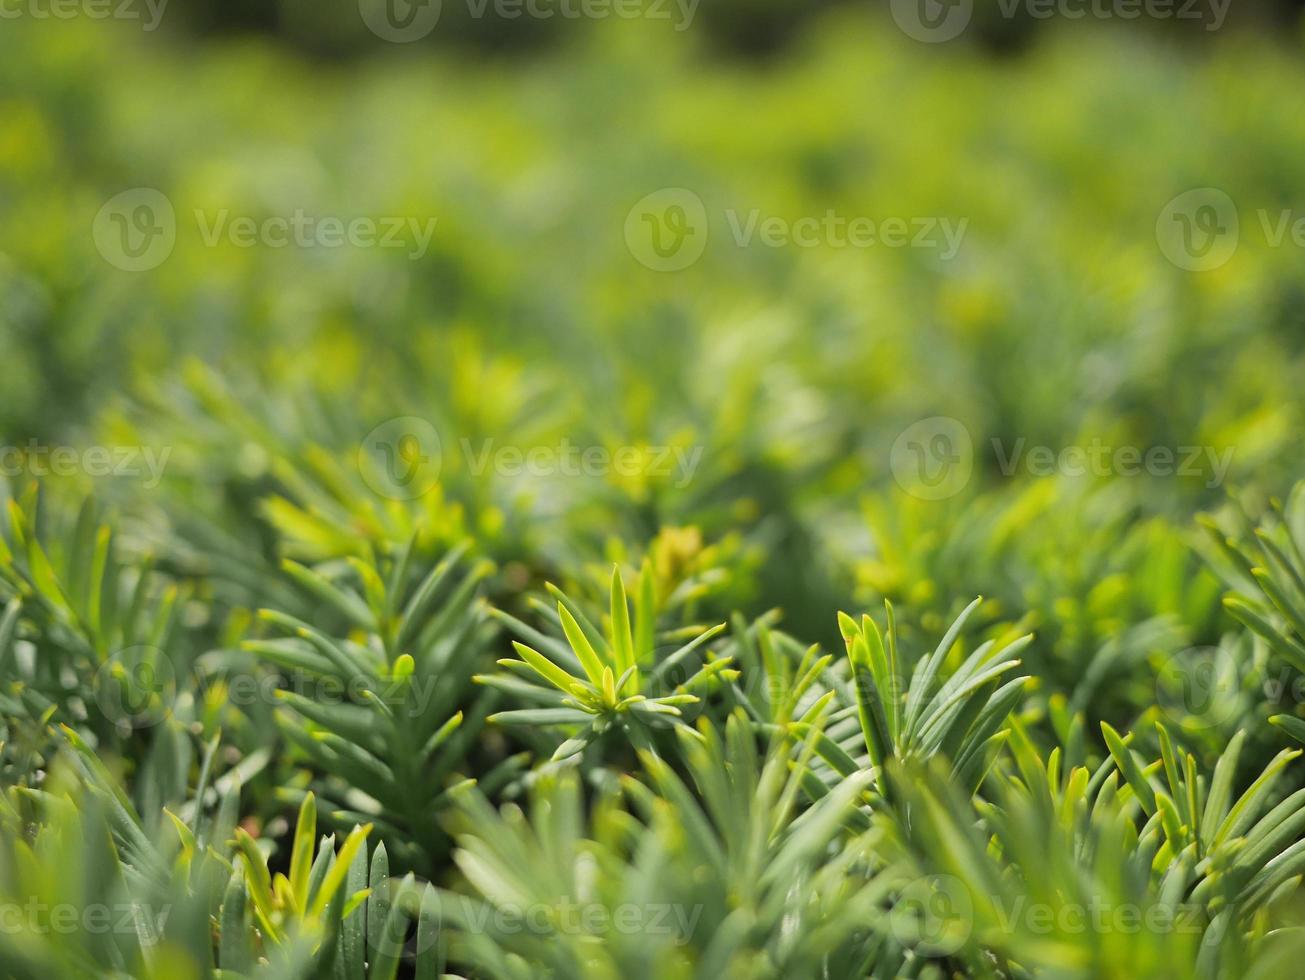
797,308
536,316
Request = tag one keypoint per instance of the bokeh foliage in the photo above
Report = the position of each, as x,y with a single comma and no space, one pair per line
751,696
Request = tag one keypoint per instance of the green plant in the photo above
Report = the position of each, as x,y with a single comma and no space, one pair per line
88,636
609,679
961,716
387,717
268,684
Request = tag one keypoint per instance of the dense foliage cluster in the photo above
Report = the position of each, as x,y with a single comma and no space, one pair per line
655,660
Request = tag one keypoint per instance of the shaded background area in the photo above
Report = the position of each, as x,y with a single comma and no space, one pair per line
759,28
